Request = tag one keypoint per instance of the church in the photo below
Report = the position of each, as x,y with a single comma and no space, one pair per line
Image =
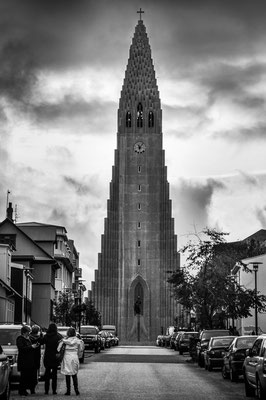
139,246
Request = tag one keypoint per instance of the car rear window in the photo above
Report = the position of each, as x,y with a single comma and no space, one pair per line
9,336
209,334
245,343
190,335
222,342
88,331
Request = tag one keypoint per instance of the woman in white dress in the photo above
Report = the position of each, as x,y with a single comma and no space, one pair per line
70,363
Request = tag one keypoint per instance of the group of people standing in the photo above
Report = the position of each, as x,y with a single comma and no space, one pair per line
29,357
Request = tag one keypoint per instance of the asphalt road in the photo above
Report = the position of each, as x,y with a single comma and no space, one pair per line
130,373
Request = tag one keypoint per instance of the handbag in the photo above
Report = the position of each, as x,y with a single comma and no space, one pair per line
60,355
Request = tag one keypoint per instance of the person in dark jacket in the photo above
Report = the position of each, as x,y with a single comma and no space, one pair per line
25,360
51,340
36,337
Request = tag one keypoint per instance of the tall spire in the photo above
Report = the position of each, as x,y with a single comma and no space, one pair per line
140,83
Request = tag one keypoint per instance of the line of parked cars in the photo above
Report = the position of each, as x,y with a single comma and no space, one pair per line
91,338
235,355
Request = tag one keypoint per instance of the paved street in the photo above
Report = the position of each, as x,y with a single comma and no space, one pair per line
156,373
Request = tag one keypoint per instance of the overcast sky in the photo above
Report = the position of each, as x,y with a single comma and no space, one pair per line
61,72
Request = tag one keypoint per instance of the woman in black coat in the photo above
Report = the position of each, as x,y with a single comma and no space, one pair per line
51,340
36,337
25,361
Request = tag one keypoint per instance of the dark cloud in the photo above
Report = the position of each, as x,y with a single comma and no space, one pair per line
80,188
249,178
261,216
224,80
76,111
17,71
193,200
58,216
253,133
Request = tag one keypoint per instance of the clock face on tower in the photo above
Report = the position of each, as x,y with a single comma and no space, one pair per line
139,147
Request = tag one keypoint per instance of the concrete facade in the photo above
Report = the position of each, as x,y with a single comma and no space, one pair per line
139,247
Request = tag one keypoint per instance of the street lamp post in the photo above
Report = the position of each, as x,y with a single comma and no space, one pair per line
255,269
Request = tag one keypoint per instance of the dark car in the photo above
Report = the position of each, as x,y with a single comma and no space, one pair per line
214,354
172,340
235,356
176,340
5,371
254,369
90,336
203,342
184,341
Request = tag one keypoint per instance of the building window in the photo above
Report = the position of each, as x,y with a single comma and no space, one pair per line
139,189
139,169
138,262
151,119
128,119
138,243
139,225
139,116
139,206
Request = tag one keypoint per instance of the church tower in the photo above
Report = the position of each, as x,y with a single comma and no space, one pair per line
139,246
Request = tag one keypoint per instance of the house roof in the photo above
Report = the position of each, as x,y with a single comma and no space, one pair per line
46,255
9,288
259,235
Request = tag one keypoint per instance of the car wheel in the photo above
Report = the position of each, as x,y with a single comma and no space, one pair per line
233,375
250,391
96,350
6,394
260,392
181,352
201,362
224,373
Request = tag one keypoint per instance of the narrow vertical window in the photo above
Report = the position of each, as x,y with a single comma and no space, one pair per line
139,116
139,169
151,119
139,189
128,119
138,262
139,225
139,206
138,243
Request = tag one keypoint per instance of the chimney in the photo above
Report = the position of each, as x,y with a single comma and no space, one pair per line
9,212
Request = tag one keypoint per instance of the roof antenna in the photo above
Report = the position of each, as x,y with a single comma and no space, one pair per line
7,197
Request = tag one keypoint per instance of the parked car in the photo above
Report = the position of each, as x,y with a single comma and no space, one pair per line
8,338
214,354
159,340
91,337
103,335
63,331
235,356
172,340
5,372
203,342
184,341
116,340
176,340
254,368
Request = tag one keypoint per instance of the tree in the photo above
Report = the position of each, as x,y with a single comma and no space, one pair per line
62,309
92,316
205,284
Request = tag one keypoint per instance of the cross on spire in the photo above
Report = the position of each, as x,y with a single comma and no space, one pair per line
140,12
